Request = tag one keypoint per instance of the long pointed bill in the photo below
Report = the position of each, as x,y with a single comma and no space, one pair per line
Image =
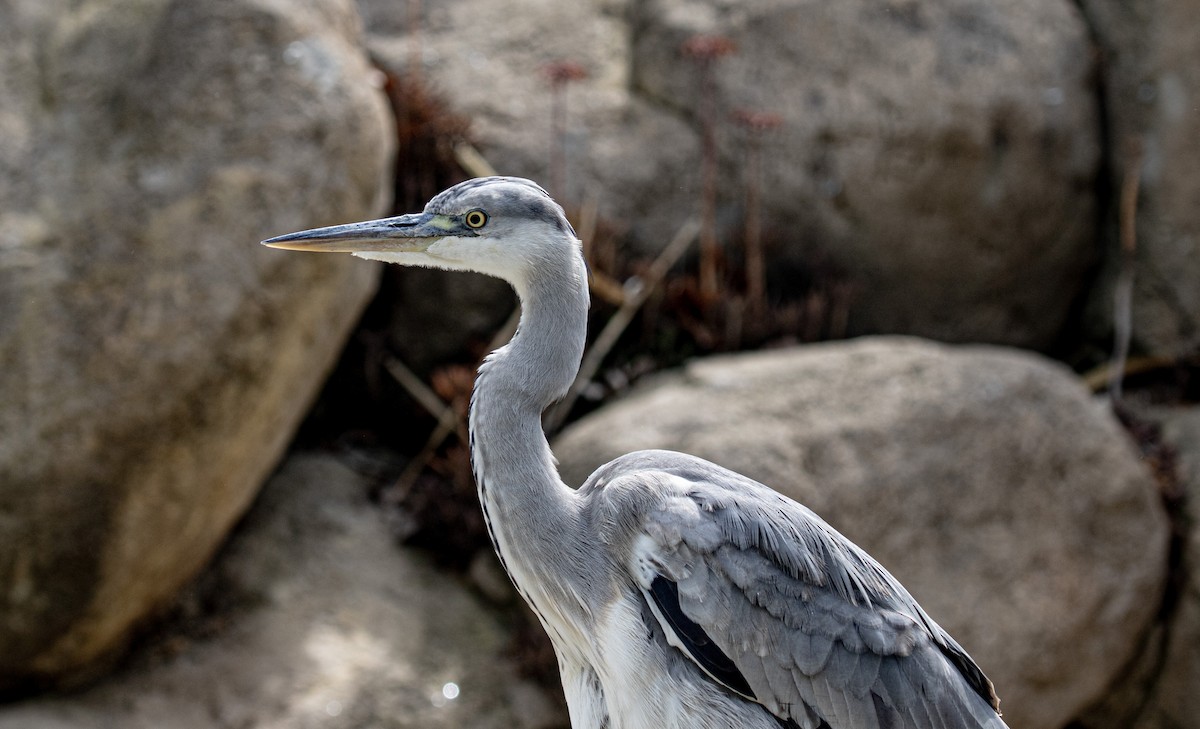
413,232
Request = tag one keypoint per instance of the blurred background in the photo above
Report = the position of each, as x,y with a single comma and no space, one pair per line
928,266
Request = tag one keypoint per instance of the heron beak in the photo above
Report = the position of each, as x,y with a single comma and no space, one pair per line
405,233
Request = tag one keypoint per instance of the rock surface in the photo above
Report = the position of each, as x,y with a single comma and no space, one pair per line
1160,690
156,359
1152,85
1174,699
947,163
1007,501
333,626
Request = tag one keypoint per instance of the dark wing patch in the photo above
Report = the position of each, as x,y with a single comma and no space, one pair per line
711,658
970,671
818,631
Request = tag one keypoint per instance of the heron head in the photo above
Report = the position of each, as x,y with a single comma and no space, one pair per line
495,225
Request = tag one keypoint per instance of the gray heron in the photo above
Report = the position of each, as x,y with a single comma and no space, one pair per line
677,594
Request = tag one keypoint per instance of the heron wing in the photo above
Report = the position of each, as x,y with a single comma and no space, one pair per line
775,605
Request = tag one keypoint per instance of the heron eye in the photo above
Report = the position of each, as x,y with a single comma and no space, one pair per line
475,219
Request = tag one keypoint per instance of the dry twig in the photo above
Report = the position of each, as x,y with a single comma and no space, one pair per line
620,321
472,161
560,74
704,51
757,124
1101,377
1123,291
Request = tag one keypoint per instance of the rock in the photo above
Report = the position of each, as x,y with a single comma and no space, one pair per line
156,358
1160,691
332,626
1175,702
947,164
1157,691
1152,91
1010,504
619,146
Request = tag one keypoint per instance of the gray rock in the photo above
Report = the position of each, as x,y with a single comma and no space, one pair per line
156,358
1008,502
1175,701
335,627
620,147
1160,690
943,154
1152,87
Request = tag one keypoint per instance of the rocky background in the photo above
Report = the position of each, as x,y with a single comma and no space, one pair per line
221,504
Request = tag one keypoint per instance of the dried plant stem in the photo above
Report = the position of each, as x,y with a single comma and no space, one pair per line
709,248
607,289
756,287
561,73
416,52
447,418
589,217
604,287
1123,290
620,321
472,161
704,50
558,145
417,389
1101,377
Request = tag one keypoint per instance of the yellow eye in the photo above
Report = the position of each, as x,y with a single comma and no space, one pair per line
475,219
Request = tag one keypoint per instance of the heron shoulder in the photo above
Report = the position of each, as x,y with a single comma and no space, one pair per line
726,541
682,499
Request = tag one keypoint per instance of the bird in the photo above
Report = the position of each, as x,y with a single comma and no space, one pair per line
676,593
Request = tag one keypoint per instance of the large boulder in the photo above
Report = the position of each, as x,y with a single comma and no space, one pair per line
322,621
1152,89
944,155
156,358
1009,503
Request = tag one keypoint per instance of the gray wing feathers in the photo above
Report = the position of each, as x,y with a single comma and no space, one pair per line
818,629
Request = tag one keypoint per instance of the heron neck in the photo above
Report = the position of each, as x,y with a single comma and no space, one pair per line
519,486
